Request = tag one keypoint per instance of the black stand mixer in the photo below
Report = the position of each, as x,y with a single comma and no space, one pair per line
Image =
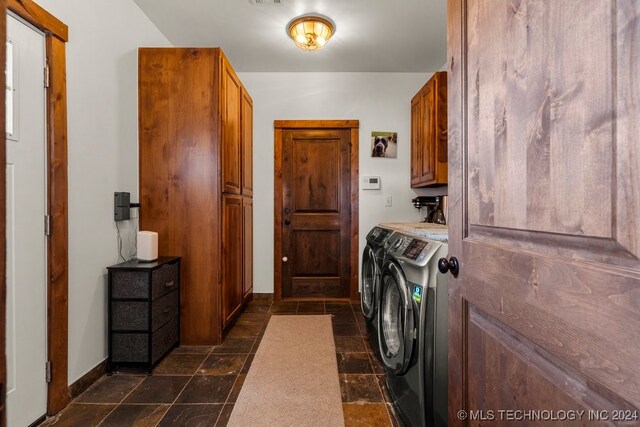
435,208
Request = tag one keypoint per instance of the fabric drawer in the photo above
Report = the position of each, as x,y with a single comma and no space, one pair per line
164,280
164,309
163,339
129,284
131,348
129,316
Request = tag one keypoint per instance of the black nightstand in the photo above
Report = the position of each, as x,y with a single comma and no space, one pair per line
144,311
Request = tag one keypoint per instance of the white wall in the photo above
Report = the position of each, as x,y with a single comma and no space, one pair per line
381,101
102,122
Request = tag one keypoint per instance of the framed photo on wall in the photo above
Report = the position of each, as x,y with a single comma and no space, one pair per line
384,144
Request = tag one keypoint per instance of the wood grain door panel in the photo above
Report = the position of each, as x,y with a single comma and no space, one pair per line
232,256
416,138
544,196
317,185
428,159
246,120
247,232
231,146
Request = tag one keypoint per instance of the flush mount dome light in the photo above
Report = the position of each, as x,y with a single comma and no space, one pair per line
311,32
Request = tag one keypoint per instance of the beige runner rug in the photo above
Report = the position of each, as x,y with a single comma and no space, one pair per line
293,380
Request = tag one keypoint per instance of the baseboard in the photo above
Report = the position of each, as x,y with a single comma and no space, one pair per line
262,297
85,381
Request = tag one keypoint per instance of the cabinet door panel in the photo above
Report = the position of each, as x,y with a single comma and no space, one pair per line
416,146
247,144
232,241
247,219
428,133
231,94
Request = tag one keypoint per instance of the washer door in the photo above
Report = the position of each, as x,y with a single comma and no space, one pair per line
370,277
396,332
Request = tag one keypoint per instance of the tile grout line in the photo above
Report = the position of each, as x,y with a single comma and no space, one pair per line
371,361
119,403
264,323
186,384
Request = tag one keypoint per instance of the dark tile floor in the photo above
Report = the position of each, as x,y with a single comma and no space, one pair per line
198,386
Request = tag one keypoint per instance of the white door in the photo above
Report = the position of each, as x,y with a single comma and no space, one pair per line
26,241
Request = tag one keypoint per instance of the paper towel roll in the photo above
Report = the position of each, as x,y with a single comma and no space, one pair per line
147,246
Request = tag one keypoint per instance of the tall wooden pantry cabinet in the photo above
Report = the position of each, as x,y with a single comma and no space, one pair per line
196,181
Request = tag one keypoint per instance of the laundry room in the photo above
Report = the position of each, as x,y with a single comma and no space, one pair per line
320,213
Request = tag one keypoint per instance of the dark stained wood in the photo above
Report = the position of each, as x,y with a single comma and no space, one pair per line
316,185
247,247
316,124
87,380
179,177
278,202
231,130
417,105
246,121
40,18
355,252
56,34
196,126
429,133
3,226
58,251
543,197
232,257
279,126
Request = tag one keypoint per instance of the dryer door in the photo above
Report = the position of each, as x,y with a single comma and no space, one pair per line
397,327
370,278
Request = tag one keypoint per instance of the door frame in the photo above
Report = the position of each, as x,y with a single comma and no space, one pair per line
279,126
56,36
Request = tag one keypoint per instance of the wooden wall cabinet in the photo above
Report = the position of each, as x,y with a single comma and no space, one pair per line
195,143
429,133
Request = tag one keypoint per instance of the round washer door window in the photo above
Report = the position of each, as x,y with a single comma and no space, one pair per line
368,281
392,327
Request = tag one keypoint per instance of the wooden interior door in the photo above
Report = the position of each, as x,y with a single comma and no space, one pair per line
544,207
316,213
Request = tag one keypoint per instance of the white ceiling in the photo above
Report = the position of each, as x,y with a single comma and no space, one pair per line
371,35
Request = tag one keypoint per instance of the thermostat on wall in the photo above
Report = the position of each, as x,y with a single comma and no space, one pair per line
371,183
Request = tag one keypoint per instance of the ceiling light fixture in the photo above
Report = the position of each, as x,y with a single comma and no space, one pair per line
311,32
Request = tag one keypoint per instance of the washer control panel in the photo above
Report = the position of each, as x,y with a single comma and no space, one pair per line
378,235
414,249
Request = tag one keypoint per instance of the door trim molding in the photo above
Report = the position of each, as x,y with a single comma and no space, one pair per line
56,36
279,126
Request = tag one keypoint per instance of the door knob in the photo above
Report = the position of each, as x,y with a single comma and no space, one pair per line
451,265
285,259
287,222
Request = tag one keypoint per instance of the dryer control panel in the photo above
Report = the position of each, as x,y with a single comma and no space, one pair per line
414,249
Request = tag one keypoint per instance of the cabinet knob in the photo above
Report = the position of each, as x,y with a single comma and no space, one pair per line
285,259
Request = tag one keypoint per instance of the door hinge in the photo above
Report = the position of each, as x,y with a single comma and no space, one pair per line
46,76
47,225
48,371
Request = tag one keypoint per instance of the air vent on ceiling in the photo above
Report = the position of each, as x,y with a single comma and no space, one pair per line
266,2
